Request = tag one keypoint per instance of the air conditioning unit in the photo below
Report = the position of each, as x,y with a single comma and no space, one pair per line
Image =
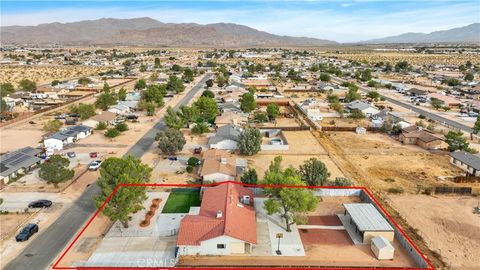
246,199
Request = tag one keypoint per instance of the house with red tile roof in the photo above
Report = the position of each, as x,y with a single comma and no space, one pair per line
225,224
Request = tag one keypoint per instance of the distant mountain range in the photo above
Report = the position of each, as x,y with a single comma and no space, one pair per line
147,31
469,33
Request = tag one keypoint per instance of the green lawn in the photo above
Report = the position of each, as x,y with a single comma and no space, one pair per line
180,202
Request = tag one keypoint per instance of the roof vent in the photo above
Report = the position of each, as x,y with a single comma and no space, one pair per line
223,160
246,199
219,214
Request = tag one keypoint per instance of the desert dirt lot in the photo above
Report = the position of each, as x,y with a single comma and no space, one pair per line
11,222
446,223
261,162
413,58
45,74
386,163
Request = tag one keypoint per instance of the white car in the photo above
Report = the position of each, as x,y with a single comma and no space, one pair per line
95,165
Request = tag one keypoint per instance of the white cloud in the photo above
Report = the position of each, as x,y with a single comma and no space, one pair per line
342,25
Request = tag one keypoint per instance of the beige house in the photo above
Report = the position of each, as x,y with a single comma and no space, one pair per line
218,166
230,117
420,137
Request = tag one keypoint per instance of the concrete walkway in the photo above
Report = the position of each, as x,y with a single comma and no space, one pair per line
323,227
291,243
355,236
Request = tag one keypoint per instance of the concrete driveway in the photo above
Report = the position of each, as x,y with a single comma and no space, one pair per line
18,201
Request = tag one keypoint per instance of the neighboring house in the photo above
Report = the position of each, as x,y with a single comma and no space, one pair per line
233,106
447,100
106,117
423,138
364,107
230,118
219,166
131,104
385,115
18,162
67,136
418,93
226,138
468,162
225,224
119,109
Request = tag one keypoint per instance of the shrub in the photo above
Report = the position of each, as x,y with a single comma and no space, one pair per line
343,182
189,169
200,128
121,127
261,117
193,161
395,190
101,126
421,116
112,133
52,126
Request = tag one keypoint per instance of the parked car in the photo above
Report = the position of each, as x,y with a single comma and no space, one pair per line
71,154
172,158
93,154
197,150
40,204
95,165
26,232
60,117
76,115
131,117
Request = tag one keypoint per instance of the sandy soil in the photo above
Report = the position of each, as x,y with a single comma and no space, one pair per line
374,154
11,222
336,249
412,58
447,224
45,74
261,162
333,205
344,122
300,142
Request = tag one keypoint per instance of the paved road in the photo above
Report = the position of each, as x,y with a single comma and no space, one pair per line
41,252
436,117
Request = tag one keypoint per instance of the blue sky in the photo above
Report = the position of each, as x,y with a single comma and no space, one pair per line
342,20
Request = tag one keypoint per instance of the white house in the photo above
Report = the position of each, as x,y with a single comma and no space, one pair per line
67,136
364,107
119,109
226,138
225,224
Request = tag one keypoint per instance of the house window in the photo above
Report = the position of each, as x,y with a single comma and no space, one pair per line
220,246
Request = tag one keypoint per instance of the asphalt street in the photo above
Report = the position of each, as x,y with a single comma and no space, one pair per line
433,116
42,250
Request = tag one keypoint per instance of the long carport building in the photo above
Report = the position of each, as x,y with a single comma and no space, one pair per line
367,221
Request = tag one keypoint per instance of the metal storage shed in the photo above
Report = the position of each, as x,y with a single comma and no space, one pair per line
382,248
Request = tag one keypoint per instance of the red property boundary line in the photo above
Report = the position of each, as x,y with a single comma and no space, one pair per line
56,267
